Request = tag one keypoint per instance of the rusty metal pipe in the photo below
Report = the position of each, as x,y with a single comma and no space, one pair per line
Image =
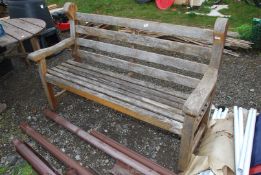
37,164
54,150
132,154
100,145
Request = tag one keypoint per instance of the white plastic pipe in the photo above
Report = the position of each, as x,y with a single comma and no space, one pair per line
219,113
224,113
236,138
245,140
250,143
214,117
241,126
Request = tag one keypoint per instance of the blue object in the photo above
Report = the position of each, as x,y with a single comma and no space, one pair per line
256,152
2,31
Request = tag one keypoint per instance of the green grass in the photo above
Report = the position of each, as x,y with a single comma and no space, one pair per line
241,12
22,169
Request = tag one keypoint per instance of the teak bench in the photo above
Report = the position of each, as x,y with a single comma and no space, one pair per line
101,70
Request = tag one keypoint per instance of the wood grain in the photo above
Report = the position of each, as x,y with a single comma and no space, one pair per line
140,69
184,48
165,60
169,29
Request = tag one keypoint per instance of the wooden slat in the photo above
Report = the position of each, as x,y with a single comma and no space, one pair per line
24,25
116,83
169,29
145,56
133,99
141,69
199,97
138,113
35,21
163,91
6,40
184,48
43,53
198,136
19,34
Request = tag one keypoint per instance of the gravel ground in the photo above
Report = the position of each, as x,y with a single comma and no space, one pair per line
238,84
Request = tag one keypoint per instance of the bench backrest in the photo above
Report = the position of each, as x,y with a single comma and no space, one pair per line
185,69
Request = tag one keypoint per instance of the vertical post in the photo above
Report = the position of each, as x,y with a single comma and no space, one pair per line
48,88
186,145
219,39
70,9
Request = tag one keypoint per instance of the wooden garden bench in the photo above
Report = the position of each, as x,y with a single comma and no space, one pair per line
100,71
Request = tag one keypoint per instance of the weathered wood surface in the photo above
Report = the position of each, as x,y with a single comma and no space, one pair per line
20,29
171,93
188,49
43,53
201,94
165,60
165,28
133,99
114,103
24,25
124,85
141,69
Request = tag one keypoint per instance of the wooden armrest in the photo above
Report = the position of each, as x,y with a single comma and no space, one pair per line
201,94
43,53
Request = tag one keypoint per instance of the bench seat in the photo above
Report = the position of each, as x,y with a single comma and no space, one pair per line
158,105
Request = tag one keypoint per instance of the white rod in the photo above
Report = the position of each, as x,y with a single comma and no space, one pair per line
241,126
219,113
244,147
224,114
250,143
236,141
214,117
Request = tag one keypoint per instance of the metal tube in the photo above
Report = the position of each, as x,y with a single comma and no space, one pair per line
100,145
54,150
132,154
37,164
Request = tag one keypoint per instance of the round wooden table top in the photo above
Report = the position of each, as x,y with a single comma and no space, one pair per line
20,29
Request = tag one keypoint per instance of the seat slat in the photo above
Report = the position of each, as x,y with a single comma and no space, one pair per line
164,92
134,111
140,69
131,88
165,60
169,29
184,48
136,100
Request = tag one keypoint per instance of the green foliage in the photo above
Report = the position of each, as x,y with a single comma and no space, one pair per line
21,169
245,32
3,170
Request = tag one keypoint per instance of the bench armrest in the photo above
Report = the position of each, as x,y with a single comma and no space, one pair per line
43,53
199,97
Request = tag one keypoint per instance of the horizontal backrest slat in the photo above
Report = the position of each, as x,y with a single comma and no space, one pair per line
145,56
165,28
140,69
188,49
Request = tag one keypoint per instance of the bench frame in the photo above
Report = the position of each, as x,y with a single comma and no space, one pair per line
196,108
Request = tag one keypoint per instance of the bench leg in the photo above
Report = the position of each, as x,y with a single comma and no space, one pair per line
186,142
48,88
